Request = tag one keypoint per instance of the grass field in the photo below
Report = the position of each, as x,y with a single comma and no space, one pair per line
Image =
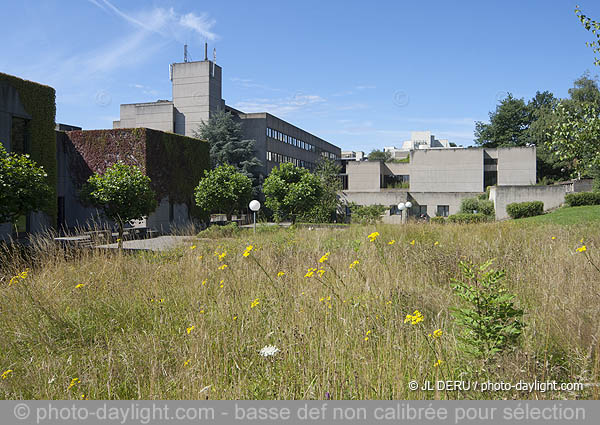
181,324
567,216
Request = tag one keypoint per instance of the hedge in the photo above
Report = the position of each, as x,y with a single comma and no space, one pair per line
437,219
525,209
40,102
467,218
484,206
582,198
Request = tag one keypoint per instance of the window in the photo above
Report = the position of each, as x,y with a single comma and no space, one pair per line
18,135
443,210
421,210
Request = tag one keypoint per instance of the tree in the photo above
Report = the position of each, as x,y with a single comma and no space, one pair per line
223,190
594,27
377,155
23,186
328,172
224,137
507,125
292,192
123,192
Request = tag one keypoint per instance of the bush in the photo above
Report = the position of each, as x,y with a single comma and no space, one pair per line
468,218
525,209
582,198
438,220
480,204
367,214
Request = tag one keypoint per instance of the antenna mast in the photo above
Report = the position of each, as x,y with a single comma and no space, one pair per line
185,54
214,60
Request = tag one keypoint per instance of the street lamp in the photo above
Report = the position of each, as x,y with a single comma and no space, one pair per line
404,206
254,206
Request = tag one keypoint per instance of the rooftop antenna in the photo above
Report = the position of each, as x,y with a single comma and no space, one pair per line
214,60
205,51
185,54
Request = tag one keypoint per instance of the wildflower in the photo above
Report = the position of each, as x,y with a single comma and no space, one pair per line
436,243
187,362
329,298
248,250
190,329
23,274
582,248
324,257
412,242
202,311
223,267
439,362
254,303
280,274
436,334
234,317
6,373
320,272
392,242
269,350
80,285
353,264
581,240
321,299
83,397
74,382
310,272
414,318
221,256
373,236
204,282
389,302
553,238
367,335
193,247
221,283
200,257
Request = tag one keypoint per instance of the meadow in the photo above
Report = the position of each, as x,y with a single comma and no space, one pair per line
297,313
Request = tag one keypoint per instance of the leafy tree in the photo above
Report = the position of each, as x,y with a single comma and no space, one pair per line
23,186
123,192
223,190
593,26
292,192
224,137
377,155
507,125
329,173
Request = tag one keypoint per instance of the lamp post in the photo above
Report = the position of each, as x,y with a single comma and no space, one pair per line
404,206
408,205
254,206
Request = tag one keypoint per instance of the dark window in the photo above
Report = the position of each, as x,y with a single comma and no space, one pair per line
420,210
443,210
60,217
490,178
18,136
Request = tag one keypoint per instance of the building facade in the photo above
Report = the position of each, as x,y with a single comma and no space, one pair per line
196,89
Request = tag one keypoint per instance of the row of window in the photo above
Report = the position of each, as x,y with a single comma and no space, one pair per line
301,144
421,210
277,157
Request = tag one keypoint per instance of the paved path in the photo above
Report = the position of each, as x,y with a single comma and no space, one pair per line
160,243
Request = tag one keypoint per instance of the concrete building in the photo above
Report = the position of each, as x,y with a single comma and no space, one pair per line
437,180
196,89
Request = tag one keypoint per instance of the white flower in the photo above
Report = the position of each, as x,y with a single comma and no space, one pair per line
269,350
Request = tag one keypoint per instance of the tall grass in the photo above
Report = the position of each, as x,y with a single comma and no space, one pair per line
174,325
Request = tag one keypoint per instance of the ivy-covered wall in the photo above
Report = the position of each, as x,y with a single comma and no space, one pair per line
173,162
40,103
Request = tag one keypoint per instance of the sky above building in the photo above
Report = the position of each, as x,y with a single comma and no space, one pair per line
361,75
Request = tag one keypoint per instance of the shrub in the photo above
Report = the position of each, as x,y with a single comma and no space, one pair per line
467,218
491,323
367,213
525,209
438,220
582,198
480,204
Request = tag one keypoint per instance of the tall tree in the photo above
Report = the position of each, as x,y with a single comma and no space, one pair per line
507,124
23,186
224,136
377,155
123,193
329,173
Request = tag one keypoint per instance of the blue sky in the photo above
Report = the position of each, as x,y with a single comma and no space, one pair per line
361,75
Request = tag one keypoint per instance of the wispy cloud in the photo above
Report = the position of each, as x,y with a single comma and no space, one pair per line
251,84
366,87
281,106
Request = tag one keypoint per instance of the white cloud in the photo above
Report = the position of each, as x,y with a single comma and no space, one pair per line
366,87
280,106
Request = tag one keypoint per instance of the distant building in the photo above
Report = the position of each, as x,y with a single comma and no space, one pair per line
197,96
418,140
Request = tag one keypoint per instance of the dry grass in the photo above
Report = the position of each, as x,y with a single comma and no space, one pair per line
124,333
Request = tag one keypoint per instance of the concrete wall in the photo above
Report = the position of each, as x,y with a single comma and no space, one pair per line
551,196
387,197
516,166
433,199
364,176
446,170
157,115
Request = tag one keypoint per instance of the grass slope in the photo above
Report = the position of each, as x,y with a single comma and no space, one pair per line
181,325
567,216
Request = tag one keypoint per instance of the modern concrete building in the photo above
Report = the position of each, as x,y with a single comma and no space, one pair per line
196,92
437,180
418,140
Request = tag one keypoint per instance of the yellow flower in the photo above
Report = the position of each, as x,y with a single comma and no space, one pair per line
412,242
193,247
6,373
436,334
392,242
280,274
223,267
202,311
254,303
353,264
248,250
321,299
582,248
553,238
83,397
581,240
74,382
190,329
324,257
329,298
320,272
204,282
187,362
389,302
200,257
80,285
234,317
310,272
223,255
439,362
367,335
24,274
414,318
373,236
436,243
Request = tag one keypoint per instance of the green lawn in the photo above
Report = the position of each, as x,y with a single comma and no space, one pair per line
567,216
